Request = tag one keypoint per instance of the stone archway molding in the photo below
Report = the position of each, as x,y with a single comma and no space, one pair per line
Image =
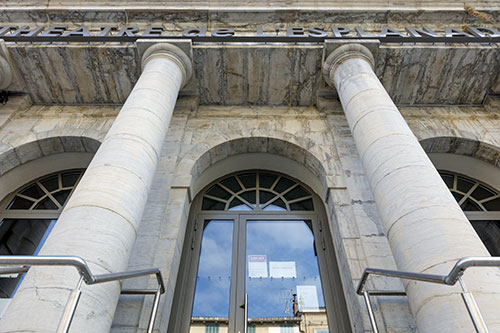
28,161
463,146
259,153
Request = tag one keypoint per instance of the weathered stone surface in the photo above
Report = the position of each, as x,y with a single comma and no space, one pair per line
256,74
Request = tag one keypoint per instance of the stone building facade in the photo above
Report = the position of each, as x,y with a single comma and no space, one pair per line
365,125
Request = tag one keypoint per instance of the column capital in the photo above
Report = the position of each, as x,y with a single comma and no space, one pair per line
342,54
172,52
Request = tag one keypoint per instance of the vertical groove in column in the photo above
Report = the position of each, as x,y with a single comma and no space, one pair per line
428,230
100,221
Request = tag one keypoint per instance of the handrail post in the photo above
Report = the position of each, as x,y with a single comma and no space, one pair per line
154,311
369,307
69,312
473,308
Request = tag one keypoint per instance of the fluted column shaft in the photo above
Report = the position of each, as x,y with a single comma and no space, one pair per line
100,221
426,228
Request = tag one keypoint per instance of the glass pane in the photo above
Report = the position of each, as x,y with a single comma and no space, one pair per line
209,204
46,204
481,193
468,205
51,183
249,196
231,184
249,180
283,184
69,178
20,203
302,205
277,206
448,179
211,297
457,196
464,185
237,204
265,196
296,193
20,237
281,263
62,196
218,192
266,180
489,232
493,205
33,191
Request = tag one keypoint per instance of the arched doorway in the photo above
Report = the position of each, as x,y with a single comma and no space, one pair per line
258,254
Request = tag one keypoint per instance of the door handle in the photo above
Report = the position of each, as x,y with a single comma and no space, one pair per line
245,307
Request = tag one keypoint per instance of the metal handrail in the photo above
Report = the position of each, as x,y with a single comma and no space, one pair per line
89,278
454,276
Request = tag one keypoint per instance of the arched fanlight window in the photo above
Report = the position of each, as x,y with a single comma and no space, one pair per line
28,215
481,205
257,191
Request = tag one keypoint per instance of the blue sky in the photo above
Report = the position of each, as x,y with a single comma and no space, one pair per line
268,297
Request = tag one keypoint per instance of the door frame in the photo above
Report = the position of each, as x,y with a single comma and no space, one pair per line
333,290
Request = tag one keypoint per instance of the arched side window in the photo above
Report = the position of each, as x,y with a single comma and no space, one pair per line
481,204
28,215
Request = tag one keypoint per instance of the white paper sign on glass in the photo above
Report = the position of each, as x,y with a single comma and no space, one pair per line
257,266
282,269
307,297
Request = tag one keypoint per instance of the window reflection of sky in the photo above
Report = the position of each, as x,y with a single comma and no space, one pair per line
280,241
213,279
267,297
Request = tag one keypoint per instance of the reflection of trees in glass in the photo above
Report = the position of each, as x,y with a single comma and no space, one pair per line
280,241
213,279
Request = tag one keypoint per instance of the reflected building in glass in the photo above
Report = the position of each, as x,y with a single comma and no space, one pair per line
261,156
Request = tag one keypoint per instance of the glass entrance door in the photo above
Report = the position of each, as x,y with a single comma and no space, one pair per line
282,278
258,274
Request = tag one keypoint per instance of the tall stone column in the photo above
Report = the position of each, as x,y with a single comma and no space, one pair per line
101,219
426,228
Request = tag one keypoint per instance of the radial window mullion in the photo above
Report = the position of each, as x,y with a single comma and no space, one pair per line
289,189
490,198
43,187
240,182
275,183
214,198
245,201
28,197
257,191
299,199
227,189
468,194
